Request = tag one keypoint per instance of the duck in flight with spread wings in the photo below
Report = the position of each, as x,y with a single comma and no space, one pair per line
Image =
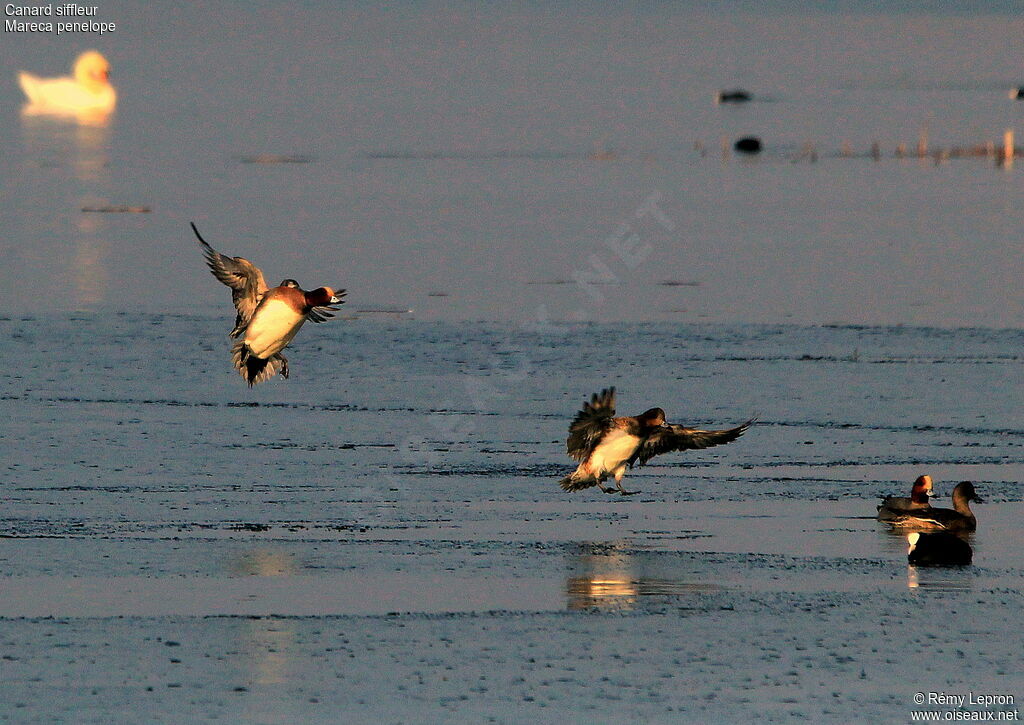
266,319
606,446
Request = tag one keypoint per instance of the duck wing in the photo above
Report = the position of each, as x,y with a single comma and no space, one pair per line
590,424
672,437
243,277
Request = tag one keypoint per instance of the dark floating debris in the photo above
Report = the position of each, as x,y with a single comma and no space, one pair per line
275,159
678,283
748,145
735,95
117,209
437,294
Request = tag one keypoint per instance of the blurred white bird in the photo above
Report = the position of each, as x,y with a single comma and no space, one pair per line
88,91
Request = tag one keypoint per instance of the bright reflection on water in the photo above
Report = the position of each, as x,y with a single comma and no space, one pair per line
82,145
264,562
269,644
610,576
941,578
90,118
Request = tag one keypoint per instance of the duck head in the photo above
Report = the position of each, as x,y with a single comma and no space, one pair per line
652,418
324,296
92,70
922,489
965,492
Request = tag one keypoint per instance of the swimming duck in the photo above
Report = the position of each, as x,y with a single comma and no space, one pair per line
88,90
605,445
959,518
266,319
893,506
938,549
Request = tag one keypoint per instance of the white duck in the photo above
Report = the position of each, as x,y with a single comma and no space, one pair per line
88,91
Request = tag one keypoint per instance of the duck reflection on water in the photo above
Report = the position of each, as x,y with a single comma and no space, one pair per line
613,575
80,145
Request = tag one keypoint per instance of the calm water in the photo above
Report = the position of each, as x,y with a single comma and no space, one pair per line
468,161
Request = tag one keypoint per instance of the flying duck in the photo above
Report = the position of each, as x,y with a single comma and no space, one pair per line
606,446
894,506
959,518
266,319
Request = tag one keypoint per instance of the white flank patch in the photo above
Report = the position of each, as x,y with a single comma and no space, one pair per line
613,451
912,540
272,328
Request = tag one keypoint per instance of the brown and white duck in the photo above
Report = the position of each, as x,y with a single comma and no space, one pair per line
266,319
606,446
895,506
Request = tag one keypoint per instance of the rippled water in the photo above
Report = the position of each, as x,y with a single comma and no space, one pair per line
136,426
243,540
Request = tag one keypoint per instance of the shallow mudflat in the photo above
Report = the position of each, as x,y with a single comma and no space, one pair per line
382,536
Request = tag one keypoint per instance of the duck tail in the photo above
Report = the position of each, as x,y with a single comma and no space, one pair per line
577,481
256,369
28,84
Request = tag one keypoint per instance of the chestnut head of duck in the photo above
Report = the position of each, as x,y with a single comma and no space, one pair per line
653,418
319,297
323,296
922,489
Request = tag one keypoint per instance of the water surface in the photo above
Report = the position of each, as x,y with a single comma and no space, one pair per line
459,159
